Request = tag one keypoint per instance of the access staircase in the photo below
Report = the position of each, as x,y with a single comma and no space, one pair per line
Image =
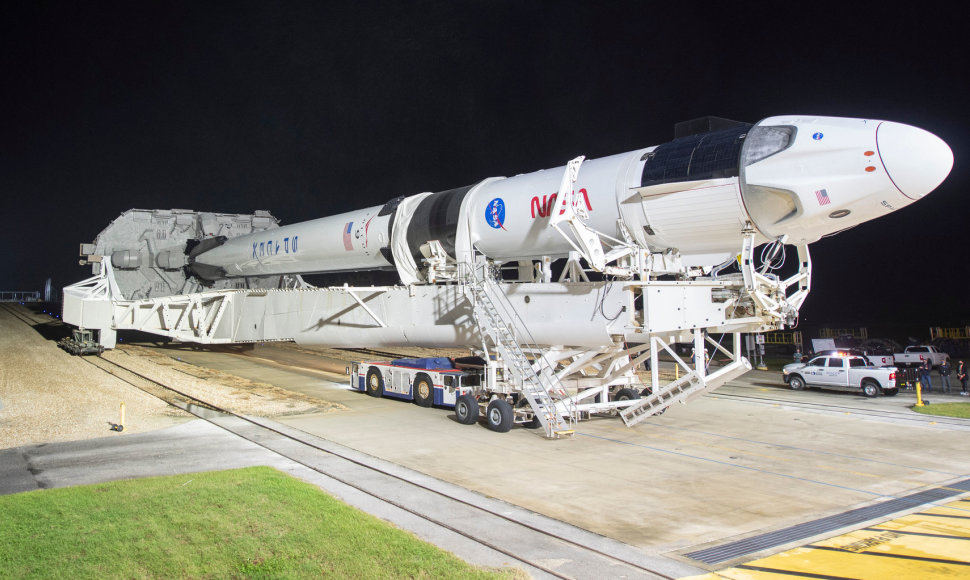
687,387
539,383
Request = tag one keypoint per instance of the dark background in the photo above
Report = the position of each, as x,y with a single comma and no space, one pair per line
308,110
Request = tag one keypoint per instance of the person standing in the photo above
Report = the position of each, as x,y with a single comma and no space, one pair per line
962,377
944,369
924,376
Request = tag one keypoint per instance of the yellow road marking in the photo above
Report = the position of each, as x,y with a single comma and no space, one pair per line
934,543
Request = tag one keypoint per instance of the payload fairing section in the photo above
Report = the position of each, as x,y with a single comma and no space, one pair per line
670,231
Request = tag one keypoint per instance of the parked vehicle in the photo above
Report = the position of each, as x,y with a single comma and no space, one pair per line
876,360
915,355
881,360
842,372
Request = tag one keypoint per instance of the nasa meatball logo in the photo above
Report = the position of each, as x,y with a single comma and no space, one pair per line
818,136
495,213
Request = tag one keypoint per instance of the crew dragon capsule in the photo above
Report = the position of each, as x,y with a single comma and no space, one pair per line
787,178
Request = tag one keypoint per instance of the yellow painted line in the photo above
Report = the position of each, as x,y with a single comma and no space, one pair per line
931,544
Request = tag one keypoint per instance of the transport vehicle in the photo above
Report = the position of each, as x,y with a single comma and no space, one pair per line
915,355
842,372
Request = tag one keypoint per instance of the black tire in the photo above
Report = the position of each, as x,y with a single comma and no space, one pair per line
499,415
891,392
870,388
466,409
375,382
796,382
422,391
646,392
626,395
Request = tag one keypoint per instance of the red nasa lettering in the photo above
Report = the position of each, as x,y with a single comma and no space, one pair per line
544,207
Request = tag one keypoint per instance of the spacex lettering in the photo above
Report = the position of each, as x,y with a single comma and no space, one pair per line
544,207
274,247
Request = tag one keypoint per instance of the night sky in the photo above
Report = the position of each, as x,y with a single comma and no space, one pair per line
307,109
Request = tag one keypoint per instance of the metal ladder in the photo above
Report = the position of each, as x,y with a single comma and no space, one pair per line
671,393
540,386
682,390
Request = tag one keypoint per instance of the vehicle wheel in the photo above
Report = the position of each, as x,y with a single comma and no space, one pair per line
466,409
499,415
646,392
375,382
796,382
870,389
891,392
626,395
422,391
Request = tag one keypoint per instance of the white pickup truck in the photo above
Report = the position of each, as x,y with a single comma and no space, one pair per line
844,373
915,355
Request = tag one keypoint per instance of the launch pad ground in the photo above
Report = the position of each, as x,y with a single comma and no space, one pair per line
750,458
734,466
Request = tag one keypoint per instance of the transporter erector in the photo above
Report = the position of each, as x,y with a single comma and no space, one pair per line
564,281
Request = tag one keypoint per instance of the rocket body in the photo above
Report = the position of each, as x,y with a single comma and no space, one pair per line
790,178
349,241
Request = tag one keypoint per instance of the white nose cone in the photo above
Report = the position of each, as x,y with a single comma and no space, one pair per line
917,161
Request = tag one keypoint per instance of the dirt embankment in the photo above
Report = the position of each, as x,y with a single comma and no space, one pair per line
48,395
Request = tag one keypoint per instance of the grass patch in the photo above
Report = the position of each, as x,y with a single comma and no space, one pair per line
253,522
960,410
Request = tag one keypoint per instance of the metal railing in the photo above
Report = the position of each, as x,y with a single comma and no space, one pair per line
15,296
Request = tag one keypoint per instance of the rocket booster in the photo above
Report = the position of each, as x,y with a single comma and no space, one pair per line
789,178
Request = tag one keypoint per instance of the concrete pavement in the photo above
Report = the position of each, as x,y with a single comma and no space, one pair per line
190,447
751,457
716,469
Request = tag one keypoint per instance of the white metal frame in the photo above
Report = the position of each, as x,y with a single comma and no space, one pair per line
563,383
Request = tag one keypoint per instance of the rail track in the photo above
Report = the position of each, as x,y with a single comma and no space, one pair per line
19,314
259,436
558,550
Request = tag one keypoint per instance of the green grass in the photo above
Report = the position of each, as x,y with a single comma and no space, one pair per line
961,410
252,523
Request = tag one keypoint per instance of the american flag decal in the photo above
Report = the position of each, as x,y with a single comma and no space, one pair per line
823,197
348,243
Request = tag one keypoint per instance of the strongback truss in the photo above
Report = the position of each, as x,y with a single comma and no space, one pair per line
583,340
572,348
